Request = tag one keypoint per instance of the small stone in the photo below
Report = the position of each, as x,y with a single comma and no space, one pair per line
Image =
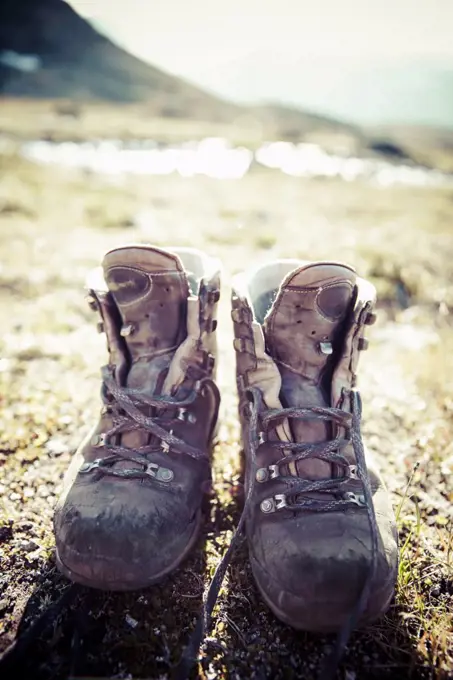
6,531
133,623
56,447
28,546
24,525
43,491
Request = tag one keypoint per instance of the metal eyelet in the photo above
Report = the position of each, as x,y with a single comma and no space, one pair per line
127,330
92,302
281,501
271,472
326,348
162,474
267,506
262,475
88,467
99,440
278,502
186,416
370,319
261,438
353,472
357,499
275,471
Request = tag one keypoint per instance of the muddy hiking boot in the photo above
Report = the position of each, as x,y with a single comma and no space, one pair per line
320,527
130,510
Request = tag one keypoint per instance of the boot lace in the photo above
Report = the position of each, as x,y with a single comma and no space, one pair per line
327,451
126,406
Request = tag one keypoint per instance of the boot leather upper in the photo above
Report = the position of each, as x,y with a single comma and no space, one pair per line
118,532
300,343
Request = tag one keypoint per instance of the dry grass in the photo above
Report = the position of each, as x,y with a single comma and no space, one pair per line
54,226
65,120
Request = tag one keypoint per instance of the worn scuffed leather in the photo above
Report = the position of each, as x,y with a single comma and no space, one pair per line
158,311
310,567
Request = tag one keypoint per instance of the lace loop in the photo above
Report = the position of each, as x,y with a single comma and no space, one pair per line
329,452
124,405
128,401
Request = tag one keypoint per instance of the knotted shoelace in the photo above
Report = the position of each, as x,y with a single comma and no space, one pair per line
327,451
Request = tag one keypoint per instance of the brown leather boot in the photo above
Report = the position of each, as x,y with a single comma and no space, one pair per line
130,511
320,526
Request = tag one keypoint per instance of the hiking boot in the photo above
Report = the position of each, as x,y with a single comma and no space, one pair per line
320,526
130,510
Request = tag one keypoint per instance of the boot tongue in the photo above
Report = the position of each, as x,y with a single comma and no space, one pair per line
303,332
150,288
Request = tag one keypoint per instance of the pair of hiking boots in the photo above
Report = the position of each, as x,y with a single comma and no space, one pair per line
319,523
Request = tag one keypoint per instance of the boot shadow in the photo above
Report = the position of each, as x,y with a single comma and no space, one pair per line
69,631
142,634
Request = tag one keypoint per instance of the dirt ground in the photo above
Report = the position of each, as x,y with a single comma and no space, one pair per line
55,226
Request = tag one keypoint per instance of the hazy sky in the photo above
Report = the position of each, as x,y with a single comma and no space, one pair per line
364,60
185,36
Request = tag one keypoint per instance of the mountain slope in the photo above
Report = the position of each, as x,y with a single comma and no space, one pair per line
48,51
75,61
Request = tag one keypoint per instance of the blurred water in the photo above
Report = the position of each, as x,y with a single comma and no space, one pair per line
217,158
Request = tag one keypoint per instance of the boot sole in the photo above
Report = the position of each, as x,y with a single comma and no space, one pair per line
120,586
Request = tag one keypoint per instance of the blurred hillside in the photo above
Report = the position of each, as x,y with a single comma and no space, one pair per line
67,58
61,79
48,51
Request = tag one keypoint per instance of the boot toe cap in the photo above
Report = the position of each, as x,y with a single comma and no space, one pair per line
312,573
117,539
